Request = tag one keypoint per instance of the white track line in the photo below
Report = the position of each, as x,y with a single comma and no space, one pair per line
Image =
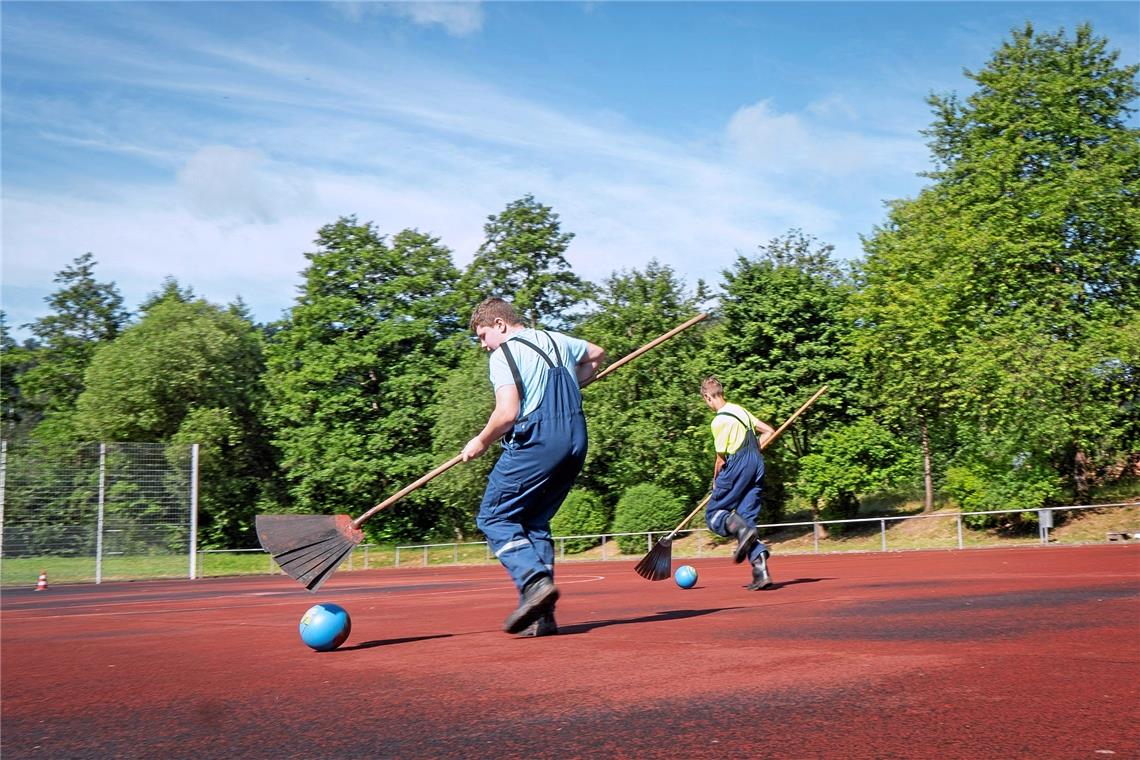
31,614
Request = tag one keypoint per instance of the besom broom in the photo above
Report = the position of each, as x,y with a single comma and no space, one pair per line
309,548
658,563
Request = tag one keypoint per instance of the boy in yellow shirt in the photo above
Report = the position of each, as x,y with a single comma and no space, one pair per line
738,479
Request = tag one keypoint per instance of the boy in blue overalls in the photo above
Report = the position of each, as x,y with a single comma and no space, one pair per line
538,415
738,479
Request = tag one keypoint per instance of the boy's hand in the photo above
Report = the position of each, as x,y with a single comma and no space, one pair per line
474,448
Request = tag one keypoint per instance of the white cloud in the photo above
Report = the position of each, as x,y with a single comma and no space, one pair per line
788,143
229,202
237,185
459,19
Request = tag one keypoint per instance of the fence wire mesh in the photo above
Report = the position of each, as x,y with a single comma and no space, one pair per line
106,507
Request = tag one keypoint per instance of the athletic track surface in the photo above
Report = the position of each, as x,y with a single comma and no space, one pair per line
1003,653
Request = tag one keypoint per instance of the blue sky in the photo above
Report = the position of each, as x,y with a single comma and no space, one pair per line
210,141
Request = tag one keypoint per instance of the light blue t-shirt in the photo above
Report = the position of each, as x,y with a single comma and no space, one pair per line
533,369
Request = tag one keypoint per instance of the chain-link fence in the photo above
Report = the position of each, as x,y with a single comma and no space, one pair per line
95,511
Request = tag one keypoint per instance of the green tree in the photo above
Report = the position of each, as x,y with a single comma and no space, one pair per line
462,404
643,419
1016,265
852,460
523,259
907,321
645,507
582,514
781,335
189,372
16,416
84,314
354,369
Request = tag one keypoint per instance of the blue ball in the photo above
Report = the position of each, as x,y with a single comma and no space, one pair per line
686,576
325,626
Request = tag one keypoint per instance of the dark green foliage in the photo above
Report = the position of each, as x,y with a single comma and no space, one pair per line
987,303
645,418
84,313
190,372
852,460
17,416
354,370
582,514
781,337
462,403
522,259
646,507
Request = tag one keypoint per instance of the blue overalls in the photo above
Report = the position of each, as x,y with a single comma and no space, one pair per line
542,456
738,486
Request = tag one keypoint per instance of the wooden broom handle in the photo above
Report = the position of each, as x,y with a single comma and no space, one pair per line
778,432
408,489
651,344
459,457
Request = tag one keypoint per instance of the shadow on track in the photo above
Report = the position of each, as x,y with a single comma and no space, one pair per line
577,628
389,642
776,586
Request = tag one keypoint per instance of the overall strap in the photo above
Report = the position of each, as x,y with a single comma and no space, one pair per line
733,416
514,372
542,353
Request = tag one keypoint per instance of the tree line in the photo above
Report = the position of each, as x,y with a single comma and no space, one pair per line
984,351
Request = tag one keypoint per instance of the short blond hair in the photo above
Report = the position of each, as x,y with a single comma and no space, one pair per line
491,309
711,386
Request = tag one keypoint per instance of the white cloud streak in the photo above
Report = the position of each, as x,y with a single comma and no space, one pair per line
259,149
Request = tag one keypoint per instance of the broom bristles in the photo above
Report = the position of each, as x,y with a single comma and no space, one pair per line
658,564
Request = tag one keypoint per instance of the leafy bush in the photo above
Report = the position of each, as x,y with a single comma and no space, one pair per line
853,460
642,508
581,514
980,486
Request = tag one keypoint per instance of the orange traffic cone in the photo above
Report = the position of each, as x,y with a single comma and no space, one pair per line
41,585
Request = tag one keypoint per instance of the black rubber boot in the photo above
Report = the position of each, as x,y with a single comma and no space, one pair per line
761,578
544,626
746,536
538,597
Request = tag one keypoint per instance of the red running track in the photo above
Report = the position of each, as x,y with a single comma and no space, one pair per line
1010,653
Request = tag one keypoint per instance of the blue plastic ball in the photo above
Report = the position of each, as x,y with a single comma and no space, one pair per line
686,576
325,626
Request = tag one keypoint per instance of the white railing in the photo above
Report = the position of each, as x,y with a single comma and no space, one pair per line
370,556
1045,520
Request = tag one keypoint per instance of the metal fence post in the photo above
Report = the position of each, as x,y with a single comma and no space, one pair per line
397,556
99,519
603,548
883,527
815,535
193,509
959,530
3,477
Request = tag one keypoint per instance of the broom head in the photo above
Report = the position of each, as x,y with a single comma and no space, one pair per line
308,548
658,564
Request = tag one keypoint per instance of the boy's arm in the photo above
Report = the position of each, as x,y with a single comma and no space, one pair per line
587,366
502,418
765,432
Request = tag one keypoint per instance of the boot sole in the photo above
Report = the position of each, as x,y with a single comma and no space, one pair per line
527,613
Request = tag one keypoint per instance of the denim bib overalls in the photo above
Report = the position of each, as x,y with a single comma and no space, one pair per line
542,456
739,487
